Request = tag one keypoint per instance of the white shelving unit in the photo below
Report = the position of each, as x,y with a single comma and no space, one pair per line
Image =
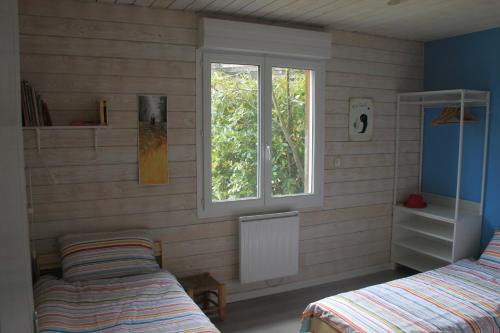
448,229
94,128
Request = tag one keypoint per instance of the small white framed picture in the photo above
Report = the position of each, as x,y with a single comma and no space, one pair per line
360,119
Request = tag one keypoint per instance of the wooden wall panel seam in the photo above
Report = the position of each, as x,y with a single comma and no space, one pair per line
120,66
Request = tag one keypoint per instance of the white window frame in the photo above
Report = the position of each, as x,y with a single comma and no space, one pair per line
265,202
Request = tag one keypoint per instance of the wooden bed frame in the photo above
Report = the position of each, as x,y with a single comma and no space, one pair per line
50,263
319,326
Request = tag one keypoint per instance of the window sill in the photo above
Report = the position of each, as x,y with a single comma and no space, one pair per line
228,209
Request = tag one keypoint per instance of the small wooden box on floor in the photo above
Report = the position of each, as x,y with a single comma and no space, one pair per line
207,292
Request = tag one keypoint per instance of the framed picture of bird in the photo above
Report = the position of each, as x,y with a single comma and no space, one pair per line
360,119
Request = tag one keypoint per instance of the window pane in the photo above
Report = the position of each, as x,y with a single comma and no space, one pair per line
291,144
234,130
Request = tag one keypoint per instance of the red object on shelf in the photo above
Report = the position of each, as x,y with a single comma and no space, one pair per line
415,200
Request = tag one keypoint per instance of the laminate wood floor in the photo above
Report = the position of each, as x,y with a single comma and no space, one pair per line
280,313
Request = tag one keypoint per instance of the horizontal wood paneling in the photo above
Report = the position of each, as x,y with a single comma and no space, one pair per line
104,155
324,216
370,81
53,64
377,43
358,161
356,187
375,55
46,194
89,11
31,44
121,206
340,175
340,65
331,243
76,52
360,199
73,27
100,173
110,84
64,138
117,102
124,119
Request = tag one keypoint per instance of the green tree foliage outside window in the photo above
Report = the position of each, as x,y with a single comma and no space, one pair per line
235,131
289,126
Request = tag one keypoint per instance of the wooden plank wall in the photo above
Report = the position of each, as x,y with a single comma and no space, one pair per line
75,52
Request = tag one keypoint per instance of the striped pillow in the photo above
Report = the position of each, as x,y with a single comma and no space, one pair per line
491,255
107,255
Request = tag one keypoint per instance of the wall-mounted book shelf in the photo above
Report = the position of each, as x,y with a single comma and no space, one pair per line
94,128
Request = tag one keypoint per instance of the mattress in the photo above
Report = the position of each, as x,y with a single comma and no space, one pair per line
143,303
463,297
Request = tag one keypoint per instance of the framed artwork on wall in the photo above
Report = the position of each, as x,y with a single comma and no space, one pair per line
152,140
360,119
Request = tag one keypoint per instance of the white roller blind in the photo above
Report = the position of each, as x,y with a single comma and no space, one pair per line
265,39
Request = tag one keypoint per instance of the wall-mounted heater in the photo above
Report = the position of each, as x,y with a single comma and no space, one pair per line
269,246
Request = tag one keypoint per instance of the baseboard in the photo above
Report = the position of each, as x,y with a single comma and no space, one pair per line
309,283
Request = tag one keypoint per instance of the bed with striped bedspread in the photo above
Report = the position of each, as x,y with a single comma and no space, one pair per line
463,297
141,303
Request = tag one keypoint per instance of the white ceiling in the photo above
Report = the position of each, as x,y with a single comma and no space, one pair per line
421,20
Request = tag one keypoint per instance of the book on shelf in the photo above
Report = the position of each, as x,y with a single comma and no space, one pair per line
103,112
35,112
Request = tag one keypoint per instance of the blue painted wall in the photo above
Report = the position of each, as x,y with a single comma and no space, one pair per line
470,61
440,158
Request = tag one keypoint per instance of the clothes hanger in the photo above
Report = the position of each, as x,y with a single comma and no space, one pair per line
451,115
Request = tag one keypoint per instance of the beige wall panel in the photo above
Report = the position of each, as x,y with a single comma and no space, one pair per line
116,102
122,206
78,28
355,200
344,227
356,187
374,68
104,48
359,147
93,11
345,252
377,55
339,241
371,81
358,161
110,84
109,190
40,63
344,214
76,52
376,42
340,175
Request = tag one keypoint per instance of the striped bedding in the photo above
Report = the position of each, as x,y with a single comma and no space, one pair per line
141,303
463,297
105,255
491,255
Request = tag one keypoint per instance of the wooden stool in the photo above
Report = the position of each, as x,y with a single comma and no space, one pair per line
200,288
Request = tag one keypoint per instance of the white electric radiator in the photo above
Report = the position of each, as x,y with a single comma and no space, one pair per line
269,246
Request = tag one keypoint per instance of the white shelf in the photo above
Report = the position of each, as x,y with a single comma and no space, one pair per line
428,228
426,238
66,127
95,128
445,98
439,103
427,247
432,211
420,262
